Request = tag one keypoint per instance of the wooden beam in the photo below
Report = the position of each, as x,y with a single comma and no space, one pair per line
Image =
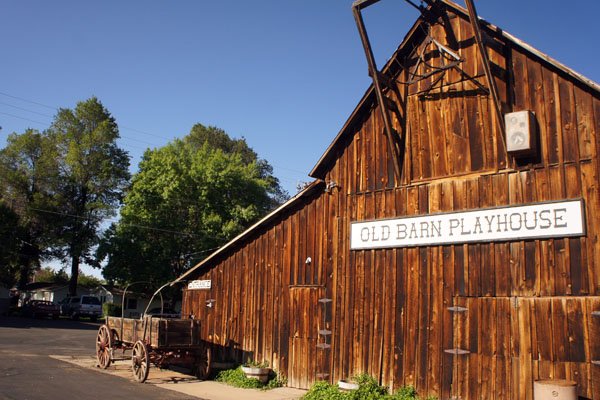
377,85
486,66
361,4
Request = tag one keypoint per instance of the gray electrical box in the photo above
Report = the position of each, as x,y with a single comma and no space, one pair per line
520,133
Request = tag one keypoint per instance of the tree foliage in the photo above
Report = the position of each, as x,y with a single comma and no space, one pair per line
216,138
62,183
60,276
28,174
92,174
188,198
10,245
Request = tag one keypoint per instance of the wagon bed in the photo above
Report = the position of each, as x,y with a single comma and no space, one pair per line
160,341
157,332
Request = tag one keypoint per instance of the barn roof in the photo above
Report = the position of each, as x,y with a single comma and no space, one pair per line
310,189
369,100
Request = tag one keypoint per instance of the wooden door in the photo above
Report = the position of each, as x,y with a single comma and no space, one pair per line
304,316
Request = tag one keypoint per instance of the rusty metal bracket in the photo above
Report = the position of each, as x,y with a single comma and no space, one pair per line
486,66
374,73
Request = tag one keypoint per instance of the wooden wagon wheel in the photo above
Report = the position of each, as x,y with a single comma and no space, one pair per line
104,344
140,361
203,360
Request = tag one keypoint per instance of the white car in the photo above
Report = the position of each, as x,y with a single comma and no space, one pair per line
81,306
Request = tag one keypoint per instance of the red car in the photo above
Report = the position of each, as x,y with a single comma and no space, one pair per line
41,308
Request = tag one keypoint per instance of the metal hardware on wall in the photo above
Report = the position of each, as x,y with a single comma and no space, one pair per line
330,186
457,311
457,352
209,302
596,314
325,333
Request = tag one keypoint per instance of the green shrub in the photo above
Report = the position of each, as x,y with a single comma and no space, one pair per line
111,309
236,377
254,364
368,389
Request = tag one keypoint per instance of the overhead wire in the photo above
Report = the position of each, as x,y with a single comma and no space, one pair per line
289,179
22,203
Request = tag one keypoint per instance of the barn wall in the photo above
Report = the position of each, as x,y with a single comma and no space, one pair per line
528,303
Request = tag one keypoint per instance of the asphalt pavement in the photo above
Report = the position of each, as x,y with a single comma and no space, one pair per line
52,359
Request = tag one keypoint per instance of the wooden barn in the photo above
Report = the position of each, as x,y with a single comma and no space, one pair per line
450,238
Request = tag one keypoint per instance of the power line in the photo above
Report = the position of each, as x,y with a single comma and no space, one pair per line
25,109
56,109
28,101
303,173
50,116
22,203
26,119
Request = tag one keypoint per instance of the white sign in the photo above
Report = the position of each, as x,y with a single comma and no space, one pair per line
532,221
199,285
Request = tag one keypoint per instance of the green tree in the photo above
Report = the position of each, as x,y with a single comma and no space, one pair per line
49,275
216,138
10,245
92,174
89,281
187,199
28,173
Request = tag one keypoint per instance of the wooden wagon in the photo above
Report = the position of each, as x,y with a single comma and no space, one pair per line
156,340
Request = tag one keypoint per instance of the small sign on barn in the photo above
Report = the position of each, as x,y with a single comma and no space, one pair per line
196,285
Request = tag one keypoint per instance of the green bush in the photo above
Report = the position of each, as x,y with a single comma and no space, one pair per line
368,389
255,364
111,309
236,377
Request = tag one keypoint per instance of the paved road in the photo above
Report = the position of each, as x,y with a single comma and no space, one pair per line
27,372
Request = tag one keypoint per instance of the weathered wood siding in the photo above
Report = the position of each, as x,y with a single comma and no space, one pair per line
529,303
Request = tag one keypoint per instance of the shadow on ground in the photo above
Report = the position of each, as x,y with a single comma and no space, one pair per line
61,323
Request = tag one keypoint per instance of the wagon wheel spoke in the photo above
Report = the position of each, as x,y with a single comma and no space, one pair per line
140,361
203,361
103,347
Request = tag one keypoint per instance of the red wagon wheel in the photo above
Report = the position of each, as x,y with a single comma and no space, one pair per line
140,361
103,346
202,364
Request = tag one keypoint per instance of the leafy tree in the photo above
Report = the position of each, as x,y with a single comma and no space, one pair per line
92,174
11,242
49,275
187,199
88,281
216,138
27,172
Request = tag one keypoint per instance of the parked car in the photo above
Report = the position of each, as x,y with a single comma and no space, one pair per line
81,306
40,308
166,312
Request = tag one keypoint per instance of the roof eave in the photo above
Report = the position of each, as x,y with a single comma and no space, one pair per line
265,220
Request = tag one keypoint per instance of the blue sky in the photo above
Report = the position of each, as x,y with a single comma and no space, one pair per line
284,74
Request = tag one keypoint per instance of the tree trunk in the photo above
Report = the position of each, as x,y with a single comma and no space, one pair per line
74,275
24,270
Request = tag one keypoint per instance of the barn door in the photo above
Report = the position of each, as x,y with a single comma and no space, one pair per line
304,316
200,304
